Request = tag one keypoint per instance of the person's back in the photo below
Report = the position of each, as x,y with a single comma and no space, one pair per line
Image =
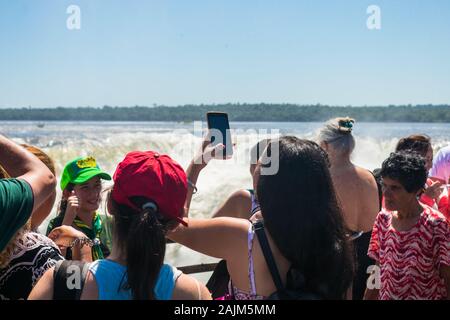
258,270
356,187
107,280
358,195
357,192
29,256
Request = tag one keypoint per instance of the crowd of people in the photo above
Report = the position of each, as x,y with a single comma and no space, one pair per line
321,227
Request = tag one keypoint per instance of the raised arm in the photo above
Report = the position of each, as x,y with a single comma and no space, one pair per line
22,164
224,238
192,173
200,161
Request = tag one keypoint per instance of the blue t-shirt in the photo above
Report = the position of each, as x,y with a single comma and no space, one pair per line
109,275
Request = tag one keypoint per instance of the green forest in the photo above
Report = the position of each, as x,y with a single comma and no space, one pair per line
236,112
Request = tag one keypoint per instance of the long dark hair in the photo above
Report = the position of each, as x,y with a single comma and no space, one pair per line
141,235
302,215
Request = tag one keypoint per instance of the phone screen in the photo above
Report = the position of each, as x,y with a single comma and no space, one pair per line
221,134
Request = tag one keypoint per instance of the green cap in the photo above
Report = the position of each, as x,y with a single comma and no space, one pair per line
81,170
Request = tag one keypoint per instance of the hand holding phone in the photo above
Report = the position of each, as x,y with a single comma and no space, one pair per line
219,130
207,152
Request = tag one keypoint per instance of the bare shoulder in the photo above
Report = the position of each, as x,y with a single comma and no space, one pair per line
90,289
354,177
189,288
366,176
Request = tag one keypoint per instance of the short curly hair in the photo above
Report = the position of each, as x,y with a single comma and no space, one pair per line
407,168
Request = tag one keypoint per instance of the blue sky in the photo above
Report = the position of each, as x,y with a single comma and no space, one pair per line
176,52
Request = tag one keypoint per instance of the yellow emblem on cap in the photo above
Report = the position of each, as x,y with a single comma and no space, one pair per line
88,162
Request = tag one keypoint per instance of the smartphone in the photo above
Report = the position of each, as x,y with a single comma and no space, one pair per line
220,131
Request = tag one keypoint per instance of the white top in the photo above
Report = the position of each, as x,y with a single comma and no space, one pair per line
441,165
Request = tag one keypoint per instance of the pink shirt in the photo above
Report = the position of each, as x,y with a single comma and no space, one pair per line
410,260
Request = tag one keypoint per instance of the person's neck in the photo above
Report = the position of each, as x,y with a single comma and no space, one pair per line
338,162
116,255
411,211
86,217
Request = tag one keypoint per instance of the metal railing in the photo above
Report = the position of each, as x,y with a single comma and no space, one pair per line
198,268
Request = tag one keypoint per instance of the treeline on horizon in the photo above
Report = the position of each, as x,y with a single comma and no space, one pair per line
236,112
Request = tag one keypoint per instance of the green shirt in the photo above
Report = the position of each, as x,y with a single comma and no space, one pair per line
16,206
98,231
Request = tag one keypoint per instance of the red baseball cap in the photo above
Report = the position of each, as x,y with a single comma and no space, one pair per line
153,176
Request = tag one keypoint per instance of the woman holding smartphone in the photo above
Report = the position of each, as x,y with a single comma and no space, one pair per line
305,233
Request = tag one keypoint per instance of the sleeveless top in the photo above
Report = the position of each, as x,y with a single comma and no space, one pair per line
241,294
110,277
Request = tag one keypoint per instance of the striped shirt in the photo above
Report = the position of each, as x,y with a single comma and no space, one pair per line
410,260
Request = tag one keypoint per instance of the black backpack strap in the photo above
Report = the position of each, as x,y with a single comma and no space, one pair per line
65,288
268,256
